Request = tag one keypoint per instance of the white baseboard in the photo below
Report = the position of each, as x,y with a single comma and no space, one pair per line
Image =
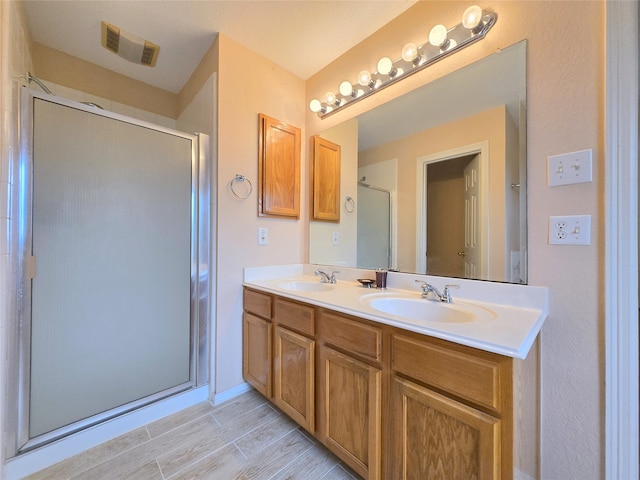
230,393
30,462
518,475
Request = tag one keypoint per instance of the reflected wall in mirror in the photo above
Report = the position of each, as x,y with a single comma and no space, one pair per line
441,171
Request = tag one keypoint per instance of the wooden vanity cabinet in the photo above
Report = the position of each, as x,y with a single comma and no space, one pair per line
294,361
450,411
350,391
257,340
390,403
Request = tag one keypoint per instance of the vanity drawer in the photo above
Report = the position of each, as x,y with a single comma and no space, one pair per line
473,377
296,316
257,303
351,335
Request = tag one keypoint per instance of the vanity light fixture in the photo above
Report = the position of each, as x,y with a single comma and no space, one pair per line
346,89
440,43
410,54
365,79
438,37
472,18
385,67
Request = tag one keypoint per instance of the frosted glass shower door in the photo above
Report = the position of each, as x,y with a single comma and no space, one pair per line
374,228
111,296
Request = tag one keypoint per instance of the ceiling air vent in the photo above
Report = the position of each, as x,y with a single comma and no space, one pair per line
149,54
129,46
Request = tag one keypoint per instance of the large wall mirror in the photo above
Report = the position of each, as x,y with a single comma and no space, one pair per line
435,181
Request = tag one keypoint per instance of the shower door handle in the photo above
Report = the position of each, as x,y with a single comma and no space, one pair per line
30,264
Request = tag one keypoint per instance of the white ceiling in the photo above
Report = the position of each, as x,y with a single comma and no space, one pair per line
300,36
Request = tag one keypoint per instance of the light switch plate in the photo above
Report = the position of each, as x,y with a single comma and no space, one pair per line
570,230
335,238
568,168
263,236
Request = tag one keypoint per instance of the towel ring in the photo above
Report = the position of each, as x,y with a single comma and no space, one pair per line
349,204
240,179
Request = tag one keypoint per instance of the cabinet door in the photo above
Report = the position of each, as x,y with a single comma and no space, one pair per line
325,180
294,377
436,437
350,412
278,169
257,353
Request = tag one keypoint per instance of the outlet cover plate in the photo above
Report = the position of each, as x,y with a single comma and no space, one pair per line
570,230
568,168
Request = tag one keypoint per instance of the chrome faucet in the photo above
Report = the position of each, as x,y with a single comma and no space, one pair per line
324,278
445,296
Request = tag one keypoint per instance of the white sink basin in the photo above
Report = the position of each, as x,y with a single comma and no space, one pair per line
306,286
423,310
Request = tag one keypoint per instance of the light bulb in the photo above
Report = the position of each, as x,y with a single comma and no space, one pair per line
330,98
472,17
315,105
346,89
409,52
385,66
364,78
438,36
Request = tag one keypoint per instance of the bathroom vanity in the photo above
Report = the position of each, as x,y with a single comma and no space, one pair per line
388,397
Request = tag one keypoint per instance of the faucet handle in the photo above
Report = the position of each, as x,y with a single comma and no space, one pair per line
446,294
333,276
324,278
426,288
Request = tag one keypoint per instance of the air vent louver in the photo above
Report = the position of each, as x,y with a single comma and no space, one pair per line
149,54
129,46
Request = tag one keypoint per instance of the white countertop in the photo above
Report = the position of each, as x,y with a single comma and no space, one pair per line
516,312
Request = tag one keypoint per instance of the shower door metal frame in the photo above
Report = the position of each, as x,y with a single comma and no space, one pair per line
18,440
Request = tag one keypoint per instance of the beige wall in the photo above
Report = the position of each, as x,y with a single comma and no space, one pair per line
249,85
485,126
207,66
565,87
72,72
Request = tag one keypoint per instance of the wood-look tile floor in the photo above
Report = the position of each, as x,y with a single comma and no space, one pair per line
244,438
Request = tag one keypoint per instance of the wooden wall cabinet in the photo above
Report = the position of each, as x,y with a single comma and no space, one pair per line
278,169
325,180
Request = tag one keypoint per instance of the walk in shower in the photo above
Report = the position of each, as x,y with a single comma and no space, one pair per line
374,227
113,288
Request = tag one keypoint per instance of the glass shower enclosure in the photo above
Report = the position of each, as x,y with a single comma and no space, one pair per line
114,255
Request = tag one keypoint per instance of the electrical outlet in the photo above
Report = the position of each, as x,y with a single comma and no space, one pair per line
263,236
568,168
570,230
336,238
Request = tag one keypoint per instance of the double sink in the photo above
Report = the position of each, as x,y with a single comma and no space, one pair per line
495,317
